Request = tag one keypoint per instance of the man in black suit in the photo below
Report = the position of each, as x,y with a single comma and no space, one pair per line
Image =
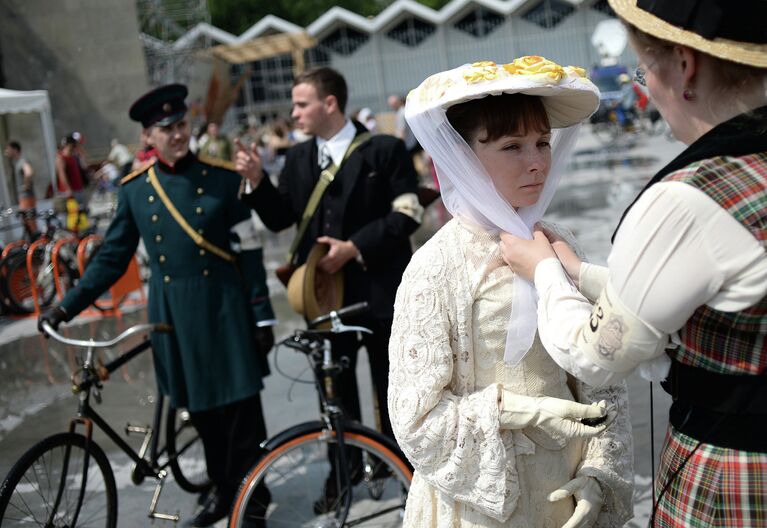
365,216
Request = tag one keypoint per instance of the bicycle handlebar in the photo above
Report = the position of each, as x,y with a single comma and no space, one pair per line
133,330
348,311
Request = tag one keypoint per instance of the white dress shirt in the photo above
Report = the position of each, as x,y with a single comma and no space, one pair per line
338,144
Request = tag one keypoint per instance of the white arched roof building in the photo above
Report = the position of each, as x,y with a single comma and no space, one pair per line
394,51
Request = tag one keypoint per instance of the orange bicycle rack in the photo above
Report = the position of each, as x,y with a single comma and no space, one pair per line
60,291
32,272
120,290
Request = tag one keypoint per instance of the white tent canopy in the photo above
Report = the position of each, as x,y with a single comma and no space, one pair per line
14,102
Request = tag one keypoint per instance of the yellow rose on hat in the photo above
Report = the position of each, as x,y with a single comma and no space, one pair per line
575,70
481,71
536,65
435,87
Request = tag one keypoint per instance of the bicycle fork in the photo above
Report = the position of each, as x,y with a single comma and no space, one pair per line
343,478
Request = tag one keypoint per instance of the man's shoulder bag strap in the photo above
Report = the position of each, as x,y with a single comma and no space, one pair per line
326,178
181,221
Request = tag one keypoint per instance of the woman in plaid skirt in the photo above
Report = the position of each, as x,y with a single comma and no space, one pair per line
684,296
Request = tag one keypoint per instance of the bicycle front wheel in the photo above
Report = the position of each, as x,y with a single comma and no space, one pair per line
186,454
62,481
289,485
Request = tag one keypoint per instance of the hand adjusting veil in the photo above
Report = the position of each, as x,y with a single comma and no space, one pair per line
467,190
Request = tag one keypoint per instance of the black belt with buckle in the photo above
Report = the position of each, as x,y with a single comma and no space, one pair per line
726,410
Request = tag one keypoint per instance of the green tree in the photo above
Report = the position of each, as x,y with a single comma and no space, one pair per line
237,16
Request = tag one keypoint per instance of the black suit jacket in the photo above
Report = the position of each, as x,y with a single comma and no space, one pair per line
356,206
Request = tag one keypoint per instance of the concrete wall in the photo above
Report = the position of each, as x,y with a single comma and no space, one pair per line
88,55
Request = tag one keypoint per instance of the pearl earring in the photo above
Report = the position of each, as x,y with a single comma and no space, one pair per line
687,94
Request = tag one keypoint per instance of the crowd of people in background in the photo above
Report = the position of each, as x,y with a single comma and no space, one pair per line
78,174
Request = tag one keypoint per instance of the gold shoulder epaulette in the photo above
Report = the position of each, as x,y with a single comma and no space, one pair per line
136,173
228,165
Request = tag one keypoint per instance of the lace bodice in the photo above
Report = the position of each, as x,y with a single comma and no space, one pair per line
446,366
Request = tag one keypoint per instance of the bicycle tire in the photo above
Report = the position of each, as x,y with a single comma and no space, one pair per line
24,499
4,281
186,454
294,469
18,287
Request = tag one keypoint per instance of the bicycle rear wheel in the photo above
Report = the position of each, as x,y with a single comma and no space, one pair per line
186,455
295,470
61,481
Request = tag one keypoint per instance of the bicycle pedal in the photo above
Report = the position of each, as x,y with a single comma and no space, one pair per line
165,516
137,429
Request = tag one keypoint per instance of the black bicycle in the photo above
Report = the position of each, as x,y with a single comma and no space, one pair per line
328,473
66,481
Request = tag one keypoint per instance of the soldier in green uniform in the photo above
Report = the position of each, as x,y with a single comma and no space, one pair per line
185,209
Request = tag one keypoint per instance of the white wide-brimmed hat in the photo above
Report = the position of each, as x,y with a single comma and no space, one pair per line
568,96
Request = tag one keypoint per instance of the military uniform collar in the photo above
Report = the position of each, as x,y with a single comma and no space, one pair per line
179,167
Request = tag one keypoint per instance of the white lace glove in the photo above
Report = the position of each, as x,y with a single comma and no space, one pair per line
550,422
588,498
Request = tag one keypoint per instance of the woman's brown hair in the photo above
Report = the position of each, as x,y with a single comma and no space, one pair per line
498,116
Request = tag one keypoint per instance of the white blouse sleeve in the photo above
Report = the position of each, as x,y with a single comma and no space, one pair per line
452,440
592,280
676,250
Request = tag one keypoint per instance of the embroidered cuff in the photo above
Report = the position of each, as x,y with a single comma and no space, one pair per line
408,205
616,339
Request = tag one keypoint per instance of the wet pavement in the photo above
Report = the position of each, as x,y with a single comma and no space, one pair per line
36,400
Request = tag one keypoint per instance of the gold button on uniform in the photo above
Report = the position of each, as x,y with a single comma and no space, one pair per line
166,279
199,190
199,210
162,259
158,238
204,172
155,218
202,252
151,198
201,231
205,272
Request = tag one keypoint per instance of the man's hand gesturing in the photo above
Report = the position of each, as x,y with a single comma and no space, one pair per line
248,163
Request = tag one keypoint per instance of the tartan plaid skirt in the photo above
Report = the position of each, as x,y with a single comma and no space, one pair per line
718,487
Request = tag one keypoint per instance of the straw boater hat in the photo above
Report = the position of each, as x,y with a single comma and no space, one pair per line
311,291
728,29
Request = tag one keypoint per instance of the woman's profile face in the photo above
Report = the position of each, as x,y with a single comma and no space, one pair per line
518,164
665,86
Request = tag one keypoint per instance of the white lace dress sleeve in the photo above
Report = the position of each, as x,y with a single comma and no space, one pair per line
451,435
609,456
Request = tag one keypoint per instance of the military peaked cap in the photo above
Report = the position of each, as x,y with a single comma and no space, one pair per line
162,106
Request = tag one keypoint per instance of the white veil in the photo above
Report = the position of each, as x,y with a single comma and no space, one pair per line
467,190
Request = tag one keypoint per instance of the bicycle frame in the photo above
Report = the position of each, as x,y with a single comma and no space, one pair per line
318,350
88,417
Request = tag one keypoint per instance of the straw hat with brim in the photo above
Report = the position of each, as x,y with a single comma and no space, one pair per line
311,291
568,95
731,30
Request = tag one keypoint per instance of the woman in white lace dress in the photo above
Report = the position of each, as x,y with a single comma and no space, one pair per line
488,420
